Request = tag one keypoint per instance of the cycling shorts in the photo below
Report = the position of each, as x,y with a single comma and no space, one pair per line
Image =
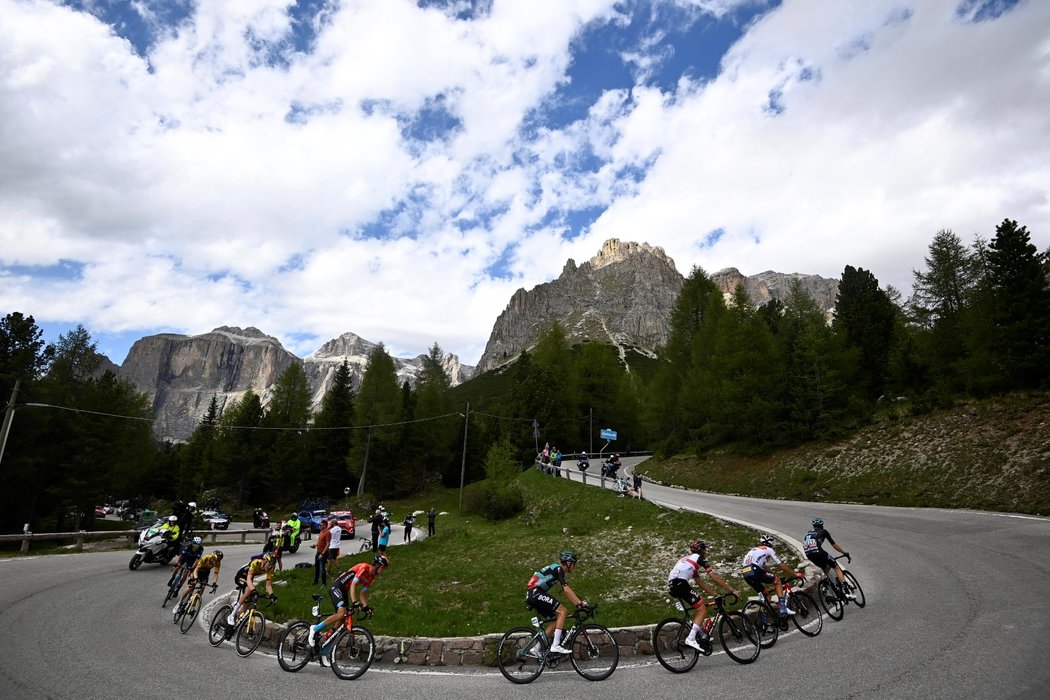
542,602
202,575
757,579
338,596
822,559
680,589
241,583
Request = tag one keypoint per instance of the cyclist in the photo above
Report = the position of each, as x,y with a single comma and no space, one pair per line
188,557
538,597
245,580
689,567
813,543
205,565
753,569
350,588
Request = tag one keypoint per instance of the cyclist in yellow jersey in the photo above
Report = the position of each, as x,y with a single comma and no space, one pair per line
205,565
245,580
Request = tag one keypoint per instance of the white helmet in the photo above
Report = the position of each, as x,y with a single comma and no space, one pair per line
197,540
192,505
172,519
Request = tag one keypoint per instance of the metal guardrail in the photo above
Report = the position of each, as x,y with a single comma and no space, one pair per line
210,536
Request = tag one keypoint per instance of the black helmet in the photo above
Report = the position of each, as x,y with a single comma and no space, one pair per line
218,553
818,522
380,560
767,540
568,556
697,546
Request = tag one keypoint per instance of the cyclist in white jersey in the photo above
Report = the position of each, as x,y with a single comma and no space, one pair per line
689,567
753,569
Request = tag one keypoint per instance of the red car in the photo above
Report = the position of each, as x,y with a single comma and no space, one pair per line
100,512
345,519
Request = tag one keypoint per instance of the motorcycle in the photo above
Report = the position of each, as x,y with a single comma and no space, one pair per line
609,469
583,464
260,518
155,545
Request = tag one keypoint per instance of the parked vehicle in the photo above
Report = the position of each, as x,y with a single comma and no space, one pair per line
345,520
311,519
216,520
100,512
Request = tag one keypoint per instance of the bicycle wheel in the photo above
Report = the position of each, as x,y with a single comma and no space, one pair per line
250,633
807,618
829,600
217,629
293,651
854,588
739,638
352,652
670,647
518,661
594,652
189,614
768,629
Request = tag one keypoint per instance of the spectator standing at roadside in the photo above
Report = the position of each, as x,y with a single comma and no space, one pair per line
324,541
384,536
431,520
336,534
377,525
637,485
410,520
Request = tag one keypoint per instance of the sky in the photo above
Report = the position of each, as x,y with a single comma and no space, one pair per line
398,169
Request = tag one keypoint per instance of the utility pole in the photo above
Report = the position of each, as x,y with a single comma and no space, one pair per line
364,468
463,463
9,417
590,430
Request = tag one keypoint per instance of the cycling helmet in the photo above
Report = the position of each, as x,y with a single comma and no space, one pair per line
380,560
268,558
218,553
197,540
818,522
173,519
192,505
697,546
767,540
568,556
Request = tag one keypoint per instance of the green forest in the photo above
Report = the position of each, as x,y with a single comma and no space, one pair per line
733,376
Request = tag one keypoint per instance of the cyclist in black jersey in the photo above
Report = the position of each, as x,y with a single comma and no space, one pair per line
538,597
813,543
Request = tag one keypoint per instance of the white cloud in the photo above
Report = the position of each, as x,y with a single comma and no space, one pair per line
209,184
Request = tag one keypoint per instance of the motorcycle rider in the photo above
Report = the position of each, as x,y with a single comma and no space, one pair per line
170,532
296,525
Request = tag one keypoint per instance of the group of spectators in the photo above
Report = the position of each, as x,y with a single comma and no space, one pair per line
549,460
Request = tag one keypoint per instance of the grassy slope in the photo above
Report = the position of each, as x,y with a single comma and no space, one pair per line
992,455
470,577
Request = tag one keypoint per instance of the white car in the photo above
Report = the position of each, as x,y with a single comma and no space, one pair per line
215,520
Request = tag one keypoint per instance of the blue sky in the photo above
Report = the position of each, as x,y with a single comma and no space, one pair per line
398,169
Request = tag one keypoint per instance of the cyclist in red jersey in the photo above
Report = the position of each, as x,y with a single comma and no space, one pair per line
352,584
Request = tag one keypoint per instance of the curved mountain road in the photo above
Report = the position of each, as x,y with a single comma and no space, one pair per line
958,603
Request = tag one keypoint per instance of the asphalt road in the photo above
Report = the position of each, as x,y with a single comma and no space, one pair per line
958,604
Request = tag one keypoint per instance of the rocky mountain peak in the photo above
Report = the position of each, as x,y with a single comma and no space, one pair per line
623,296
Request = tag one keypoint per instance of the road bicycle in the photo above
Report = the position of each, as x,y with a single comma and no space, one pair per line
736,633
185,613
177,579
770,623
348,648
365,546
524,652
834,600
248,628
